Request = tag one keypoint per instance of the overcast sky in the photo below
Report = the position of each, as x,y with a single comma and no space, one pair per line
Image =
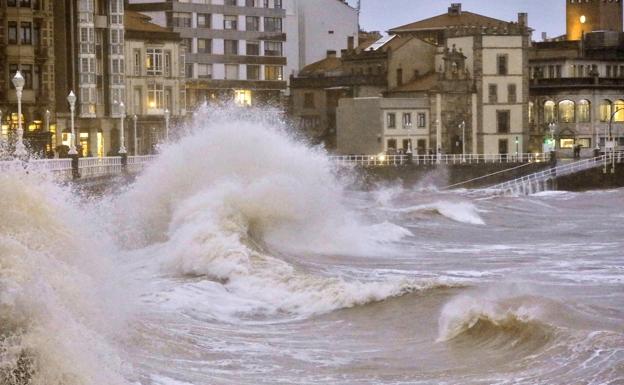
544,15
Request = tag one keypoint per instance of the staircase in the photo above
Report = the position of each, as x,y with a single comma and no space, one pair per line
546,180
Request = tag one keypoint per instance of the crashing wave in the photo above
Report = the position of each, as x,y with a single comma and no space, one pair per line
463,212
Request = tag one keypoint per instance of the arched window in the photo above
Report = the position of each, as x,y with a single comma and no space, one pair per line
605,110
619,107
566,111
549,111
583,111
531,112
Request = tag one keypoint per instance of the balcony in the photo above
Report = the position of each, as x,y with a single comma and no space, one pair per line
567,83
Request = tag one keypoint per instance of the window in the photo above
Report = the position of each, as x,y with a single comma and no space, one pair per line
230,22
230,2
391,120
250,3
308,100
11,3
272,24
549,112
155,95
36,36
583,111
277,4
399,76
253,72
231,47
503,121
137,62
618,109
204,20
187,44
12,70
501,64
407,145
12,35
181,19
266,3
531,112
204,45
253,48
27,73
231,71
138,100
392,144
407,120
605,110
493,93
422,120
566,111
26,33
512,94
204,71
558,71
273,73
168,63
25,3
272,48
252,23
154,61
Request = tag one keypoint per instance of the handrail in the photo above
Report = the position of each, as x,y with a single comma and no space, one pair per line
445,159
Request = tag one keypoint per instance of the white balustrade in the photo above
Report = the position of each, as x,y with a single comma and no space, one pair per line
446,159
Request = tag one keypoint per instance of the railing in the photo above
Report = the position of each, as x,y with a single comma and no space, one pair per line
394,160
63,170
538,181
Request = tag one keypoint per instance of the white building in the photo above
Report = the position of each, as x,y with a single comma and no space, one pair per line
314,27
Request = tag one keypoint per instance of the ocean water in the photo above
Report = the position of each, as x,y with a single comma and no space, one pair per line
243,256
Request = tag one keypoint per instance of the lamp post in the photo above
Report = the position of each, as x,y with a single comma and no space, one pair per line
71,99
612,144
463,128
136,145
167,116
20,149
517,148
122,116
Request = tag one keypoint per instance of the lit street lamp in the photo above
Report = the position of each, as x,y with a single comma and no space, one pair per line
71,98
517,148
20,149
167,116
122,116
136,146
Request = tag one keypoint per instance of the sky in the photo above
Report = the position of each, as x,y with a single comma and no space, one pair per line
544,15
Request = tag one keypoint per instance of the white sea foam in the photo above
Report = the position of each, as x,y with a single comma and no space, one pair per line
464,212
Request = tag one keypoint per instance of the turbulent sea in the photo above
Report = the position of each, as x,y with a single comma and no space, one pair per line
242,256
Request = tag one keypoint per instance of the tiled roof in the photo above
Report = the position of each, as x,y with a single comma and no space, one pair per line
322,66
448,20
135,21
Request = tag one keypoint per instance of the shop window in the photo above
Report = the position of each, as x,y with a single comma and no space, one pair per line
549,112
583,111
566,111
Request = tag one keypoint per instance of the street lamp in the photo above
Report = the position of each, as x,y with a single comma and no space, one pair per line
20,149
122,116
167,116
463,128
71,98
517,147
612,142
134,119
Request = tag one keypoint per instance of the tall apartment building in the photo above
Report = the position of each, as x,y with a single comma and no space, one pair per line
26,45
154,80
235,48
89,42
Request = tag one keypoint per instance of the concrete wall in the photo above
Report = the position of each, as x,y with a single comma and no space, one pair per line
359,126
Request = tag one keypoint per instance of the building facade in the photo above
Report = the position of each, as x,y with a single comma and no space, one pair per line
26,44
155,81
584,16
235,48
89,44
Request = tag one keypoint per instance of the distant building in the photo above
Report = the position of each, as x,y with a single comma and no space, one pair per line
26,45
583,16
235,48
89,47
314,28
154,79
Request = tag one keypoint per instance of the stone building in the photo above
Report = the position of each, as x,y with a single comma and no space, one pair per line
474,76
235,48
89,59
584,16
26,44
155,80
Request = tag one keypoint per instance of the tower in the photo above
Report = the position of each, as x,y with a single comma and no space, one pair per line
584,16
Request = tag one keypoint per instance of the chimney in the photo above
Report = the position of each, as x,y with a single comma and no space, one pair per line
454,9
523,19
331,53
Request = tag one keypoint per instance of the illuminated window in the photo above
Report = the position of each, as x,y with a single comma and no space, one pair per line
154,62
273,73
549,111
566,143
566,111
583,111
618,109
242,97
531,112
155,96
605,110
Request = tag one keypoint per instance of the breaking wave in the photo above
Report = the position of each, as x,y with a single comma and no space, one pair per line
53,323
463,212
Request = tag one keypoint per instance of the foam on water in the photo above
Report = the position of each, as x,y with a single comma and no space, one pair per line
464,212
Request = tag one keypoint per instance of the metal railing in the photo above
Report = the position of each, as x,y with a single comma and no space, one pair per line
539,181
96,167
394,160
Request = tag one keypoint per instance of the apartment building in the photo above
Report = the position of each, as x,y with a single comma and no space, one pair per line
89,45
26,45
235,48
155,79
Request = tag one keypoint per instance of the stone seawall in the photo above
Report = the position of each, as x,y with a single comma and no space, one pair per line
592,179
